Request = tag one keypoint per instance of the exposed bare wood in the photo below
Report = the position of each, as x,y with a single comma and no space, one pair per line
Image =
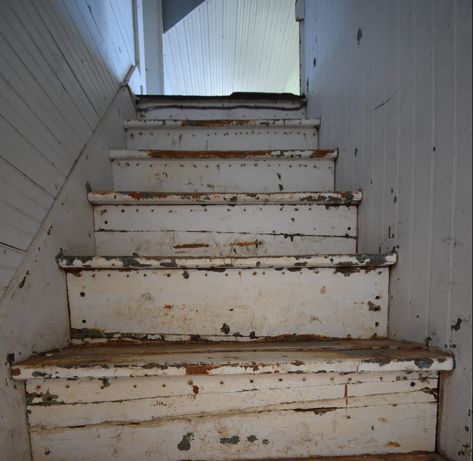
103,361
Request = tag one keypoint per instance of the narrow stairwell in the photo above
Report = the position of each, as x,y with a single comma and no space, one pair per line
227,314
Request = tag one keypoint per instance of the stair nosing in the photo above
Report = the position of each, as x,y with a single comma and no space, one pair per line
215,198
221,123
149,360
341,262
254,155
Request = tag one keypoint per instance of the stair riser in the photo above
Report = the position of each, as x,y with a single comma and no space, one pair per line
218,137
213,397
221,175
41,392
220,108
230,303
225,230
311,432
212,244
217,114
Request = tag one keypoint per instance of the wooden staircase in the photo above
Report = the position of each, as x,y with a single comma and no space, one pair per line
227,314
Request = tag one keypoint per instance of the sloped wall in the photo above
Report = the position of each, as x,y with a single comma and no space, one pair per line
60,67
61,110
391,80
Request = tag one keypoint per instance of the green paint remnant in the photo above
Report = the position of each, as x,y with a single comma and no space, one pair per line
185,443
45,398
265,442
252,438
230,440
39,374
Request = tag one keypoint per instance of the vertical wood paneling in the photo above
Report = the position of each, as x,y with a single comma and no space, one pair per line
61,62
227,46
399,95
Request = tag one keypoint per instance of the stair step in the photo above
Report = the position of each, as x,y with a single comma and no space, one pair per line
222,134
213,224
216,198
235,106
242,298
171,359
223,401
224,171
314,154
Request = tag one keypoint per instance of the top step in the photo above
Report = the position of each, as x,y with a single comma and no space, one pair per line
234,107
222,134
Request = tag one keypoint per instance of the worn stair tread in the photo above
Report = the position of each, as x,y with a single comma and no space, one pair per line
384,457
313,154
187,262
221,123
164,359
214,198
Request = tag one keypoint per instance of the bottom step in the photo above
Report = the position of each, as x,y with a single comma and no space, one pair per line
232,401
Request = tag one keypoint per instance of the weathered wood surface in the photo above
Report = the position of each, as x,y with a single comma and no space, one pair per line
209,243
266,154
215,198
225,230
235,107
352,263
167,359
302,432
225,174
222,134
50,414
235,303
41,391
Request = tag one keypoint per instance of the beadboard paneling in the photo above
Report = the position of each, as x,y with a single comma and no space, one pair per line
61,62
226,46
391,81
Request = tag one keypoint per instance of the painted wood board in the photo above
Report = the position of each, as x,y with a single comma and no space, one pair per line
40,391
50,414
347,431
227,108
161,243
224,230
347,263
215,198
222,134
302,219
323,302
168,359
240,154
223,175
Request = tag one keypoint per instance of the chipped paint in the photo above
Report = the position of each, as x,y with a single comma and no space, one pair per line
106,361
339,262
185,443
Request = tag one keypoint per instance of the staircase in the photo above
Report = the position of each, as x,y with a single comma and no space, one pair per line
227,314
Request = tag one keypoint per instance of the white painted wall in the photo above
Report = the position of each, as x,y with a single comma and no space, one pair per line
391,81
226,46
61,63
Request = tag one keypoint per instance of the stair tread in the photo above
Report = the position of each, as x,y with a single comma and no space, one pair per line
165,198
278,154
222,123
186,262
171,359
